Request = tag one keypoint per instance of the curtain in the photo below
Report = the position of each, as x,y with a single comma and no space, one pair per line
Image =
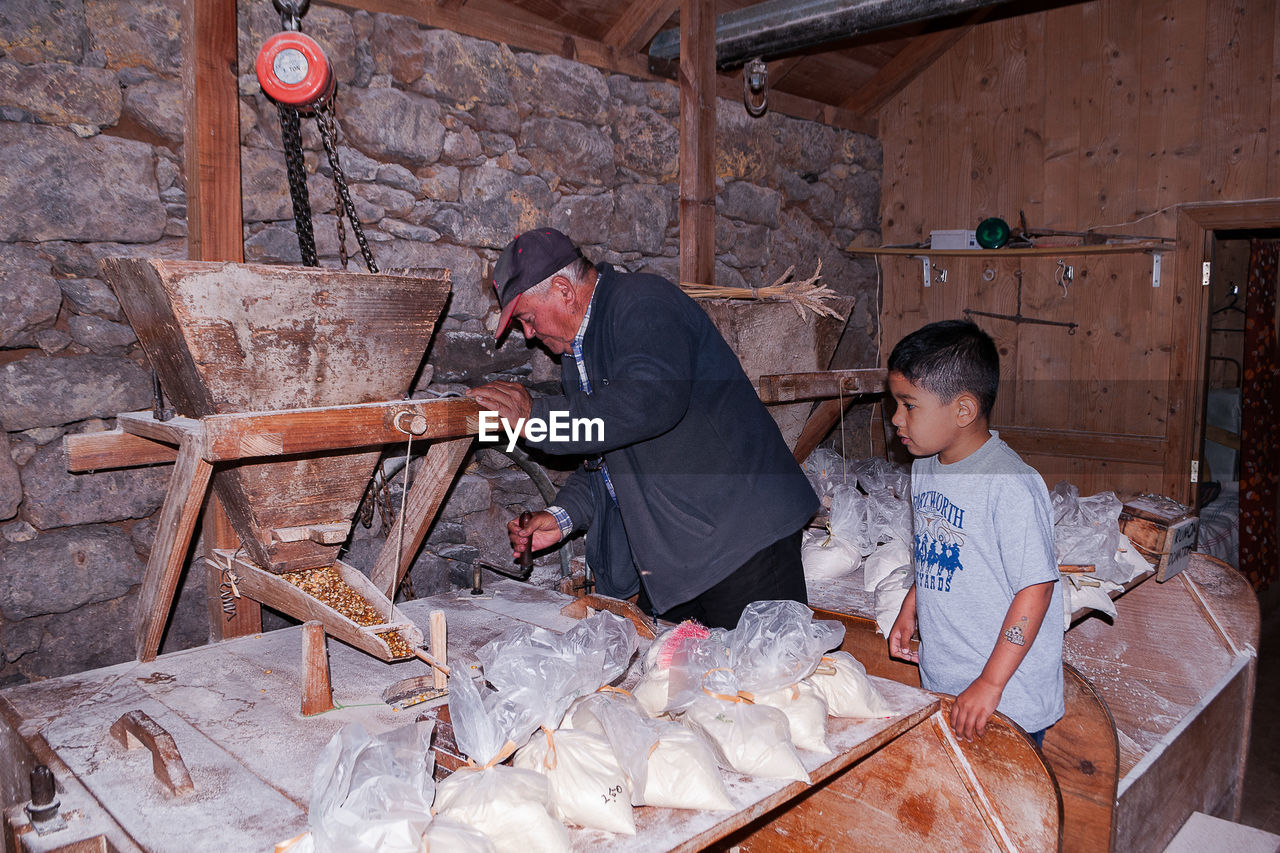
1260,405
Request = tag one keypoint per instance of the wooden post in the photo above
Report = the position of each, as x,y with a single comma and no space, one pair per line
317,692
439,649
187,486
697,141
211,136
430,484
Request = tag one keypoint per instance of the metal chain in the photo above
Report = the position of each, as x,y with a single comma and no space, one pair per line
291,135
329,136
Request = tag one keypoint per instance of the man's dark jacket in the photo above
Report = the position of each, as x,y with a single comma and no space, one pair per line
703,477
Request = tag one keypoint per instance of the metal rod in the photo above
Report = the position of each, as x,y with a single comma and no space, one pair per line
776,28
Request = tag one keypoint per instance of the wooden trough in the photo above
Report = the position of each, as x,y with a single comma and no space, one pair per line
286,383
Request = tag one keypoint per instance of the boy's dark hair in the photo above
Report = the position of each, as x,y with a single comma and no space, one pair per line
948,358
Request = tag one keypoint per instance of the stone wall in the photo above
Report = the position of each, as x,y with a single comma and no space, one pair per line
451,146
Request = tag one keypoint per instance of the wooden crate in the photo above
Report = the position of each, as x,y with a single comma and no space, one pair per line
1163,530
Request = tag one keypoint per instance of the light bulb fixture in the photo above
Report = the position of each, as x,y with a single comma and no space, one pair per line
755,87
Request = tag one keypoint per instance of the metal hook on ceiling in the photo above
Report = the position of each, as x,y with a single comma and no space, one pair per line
755,87
291,13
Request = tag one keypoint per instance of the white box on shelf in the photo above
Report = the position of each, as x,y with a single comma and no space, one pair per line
953,239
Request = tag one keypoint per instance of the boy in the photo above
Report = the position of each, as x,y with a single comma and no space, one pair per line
986,574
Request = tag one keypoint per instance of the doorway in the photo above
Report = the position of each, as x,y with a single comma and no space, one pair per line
1235,376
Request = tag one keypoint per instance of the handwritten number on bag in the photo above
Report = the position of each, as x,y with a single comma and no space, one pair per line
611,796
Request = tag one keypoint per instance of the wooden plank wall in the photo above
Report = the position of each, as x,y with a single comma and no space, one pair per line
1106,113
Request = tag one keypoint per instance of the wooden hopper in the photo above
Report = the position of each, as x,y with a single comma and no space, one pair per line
226,338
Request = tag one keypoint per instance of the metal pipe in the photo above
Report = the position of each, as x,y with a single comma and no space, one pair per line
777,28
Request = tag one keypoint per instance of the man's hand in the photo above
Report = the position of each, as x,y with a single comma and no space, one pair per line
541,529
973,709
510,400
904,628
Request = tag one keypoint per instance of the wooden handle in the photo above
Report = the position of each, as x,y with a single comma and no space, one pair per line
439,645
526,559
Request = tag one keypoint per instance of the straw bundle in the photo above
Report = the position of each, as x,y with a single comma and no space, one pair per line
803,295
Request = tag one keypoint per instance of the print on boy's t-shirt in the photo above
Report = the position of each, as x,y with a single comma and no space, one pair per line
939,535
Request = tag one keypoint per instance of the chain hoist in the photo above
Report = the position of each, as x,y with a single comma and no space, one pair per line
295,73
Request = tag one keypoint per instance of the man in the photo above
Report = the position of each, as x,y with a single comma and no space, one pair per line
690,497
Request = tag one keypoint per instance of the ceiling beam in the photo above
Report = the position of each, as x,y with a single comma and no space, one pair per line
527,36
921,52
520,34
777,28
639,23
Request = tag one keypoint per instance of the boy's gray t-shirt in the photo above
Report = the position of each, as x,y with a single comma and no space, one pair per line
984,531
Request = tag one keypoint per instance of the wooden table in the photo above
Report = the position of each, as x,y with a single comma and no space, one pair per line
232,710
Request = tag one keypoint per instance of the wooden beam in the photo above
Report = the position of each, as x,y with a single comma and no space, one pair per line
697,141
98,451
187,486
821,420
639,22
239,436
1082,444
250,435
603,55
430,485
211,130
515,33
821,384
919,53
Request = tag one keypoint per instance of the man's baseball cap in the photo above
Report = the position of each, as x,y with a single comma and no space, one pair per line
526,261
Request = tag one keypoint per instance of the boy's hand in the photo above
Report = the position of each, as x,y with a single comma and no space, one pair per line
904,628
973,709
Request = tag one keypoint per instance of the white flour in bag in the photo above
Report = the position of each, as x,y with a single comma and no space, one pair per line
683,773
588,787
651,691
456,837
806,713
508,805
751,739
849,692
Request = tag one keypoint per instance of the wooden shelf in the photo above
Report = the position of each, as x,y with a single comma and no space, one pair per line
1033,251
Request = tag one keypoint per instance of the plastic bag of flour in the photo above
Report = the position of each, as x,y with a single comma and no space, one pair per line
511,806
651,692
698,665
490,726
666,764
548,671
806,713
588,787
451,836
825,469
884,561
778,643
372,793
683,773
826,556
747,738
848,692
891,591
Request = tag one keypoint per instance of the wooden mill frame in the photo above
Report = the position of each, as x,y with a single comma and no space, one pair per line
197,445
